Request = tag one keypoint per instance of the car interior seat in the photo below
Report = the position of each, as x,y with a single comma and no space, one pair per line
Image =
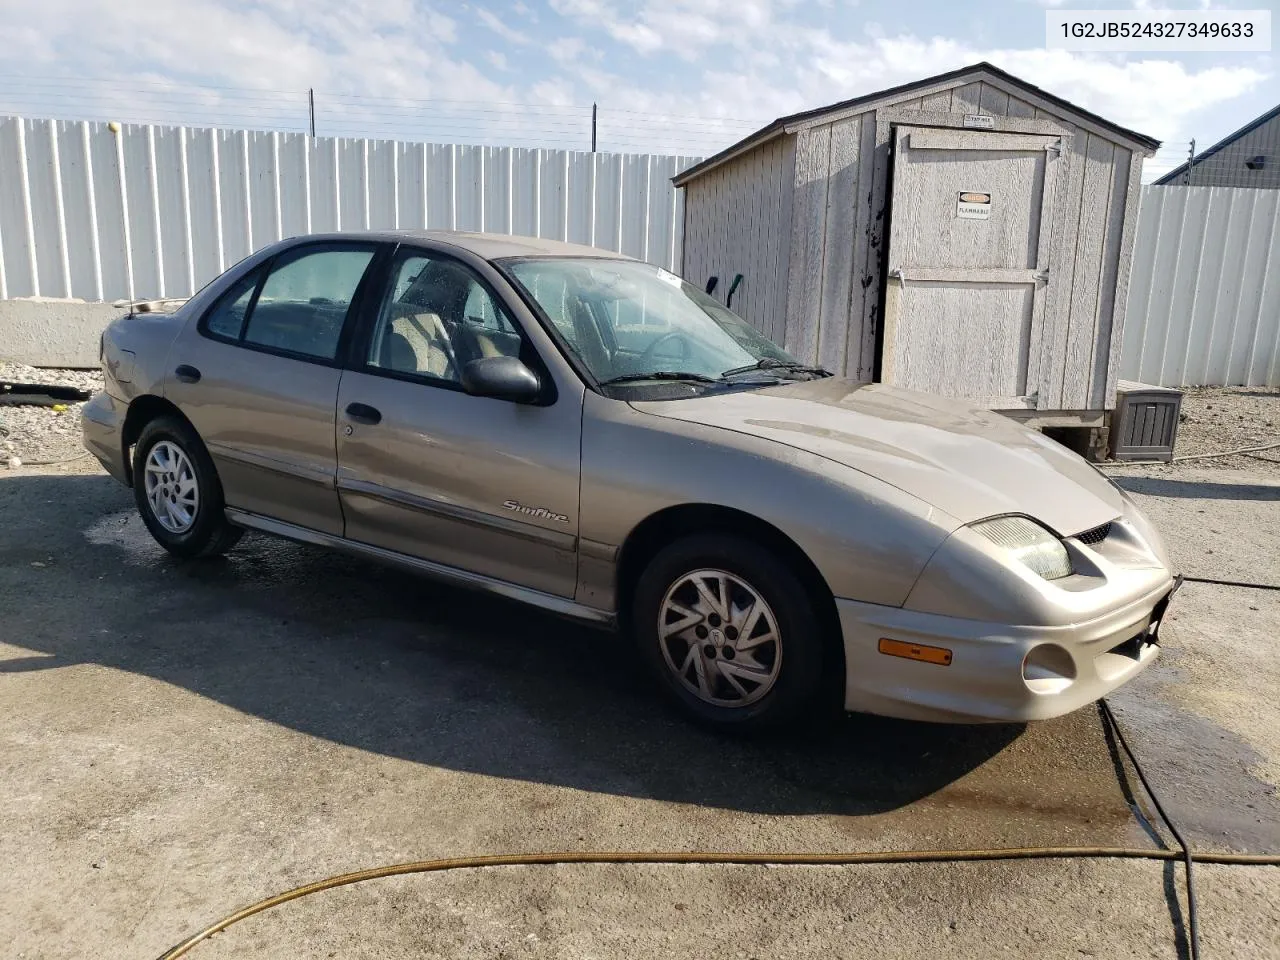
415,341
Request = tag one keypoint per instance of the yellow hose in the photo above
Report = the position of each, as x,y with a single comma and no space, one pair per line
703,857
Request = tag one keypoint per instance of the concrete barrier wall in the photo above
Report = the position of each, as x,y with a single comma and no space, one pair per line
53,333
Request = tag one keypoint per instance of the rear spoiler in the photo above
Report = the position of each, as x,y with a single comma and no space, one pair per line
150,306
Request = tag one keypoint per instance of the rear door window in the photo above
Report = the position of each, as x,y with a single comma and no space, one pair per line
304,302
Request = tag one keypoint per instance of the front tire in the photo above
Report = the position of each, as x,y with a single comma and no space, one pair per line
731,633
177,490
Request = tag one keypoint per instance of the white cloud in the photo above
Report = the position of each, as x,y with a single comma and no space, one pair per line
1132,4
687,28
567,50
384,46
780,66
500,27
716,59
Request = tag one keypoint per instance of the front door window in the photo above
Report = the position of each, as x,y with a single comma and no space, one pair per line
438,317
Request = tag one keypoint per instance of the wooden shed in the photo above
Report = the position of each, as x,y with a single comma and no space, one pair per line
968,234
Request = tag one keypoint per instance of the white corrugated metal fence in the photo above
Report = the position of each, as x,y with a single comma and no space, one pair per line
1204,292
158,211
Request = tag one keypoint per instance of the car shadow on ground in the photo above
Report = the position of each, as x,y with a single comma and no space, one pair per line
1198,490
372,658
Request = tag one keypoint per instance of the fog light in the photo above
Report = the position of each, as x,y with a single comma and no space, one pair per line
1048,668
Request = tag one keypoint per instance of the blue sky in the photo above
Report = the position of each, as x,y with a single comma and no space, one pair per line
685,76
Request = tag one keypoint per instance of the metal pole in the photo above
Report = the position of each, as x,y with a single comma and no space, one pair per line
1191,159
311,105
593,128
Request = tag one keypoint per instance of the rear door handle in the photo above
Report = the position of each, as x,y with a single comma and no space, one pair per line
363,413
187,373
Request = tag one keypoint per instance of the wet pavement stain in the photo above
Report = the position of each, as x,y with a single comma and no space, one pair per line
1201,771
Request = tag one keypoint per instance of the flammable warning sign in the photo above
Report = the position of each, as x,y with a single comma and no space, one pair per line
973,205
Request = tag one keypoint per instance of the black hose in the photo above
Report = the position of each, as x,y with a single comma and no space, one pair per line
1233,583
1193,925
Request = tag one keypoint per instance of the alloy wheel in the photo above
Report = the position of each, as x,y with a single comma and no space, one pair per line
171,487
719,638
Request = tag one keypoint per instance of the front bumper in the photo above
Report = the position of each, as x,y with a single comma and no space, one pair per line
102,424
985,678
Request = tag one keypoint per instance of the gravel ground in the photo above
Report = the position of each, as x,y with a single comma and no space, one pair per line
43,435
1216,418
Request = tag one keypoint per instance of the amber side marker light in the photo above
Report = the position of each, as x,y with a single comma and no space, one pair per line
916,651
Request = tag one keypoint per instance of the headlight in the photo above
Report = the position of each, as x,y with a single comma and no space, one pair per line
1029,543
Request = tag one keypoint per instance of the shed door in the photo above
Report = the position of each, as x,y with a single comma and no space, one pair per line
968,264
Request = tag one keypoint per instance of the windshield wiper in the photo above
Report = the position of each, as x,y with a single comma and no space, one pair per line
660,375
772,363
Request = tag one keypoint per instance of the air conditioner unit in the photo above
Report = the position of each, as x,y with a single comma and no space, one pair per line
1144,425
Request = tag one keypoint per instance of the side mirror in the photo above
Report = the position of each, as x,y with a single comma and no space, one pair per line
504,378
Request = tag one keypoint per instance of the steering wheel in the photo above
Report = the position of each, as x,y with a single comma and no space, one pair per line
652,350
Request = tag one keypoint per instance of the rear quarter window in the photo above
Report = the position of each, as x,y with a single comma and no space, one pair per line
227,317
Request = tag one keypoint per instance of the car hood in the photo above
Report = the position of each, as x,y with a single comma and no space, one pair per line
966,462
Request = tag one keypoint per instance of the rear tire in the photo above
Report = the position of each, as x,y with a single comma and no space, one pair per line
177,490
732,634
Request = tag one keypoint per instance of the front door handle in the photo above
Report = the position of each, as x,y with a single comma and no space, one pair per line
187,373
363,413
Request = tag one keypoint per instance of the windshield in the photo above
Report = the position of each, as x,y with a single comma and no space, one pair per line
627,320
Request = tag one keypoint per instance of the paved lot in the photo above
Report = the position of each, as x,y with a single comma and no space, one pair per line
176,741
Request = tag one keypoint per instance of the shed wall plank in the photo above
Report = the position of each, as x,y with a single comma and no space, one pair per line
860,359
992,100
1018,107
1117,257
808,231
771,284
783,228
965,98
875,231
838,244
1057,315
728,233
940,101
1076,360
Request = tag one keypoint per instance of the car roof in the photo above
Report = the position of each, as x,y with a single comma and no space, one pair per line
490,246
